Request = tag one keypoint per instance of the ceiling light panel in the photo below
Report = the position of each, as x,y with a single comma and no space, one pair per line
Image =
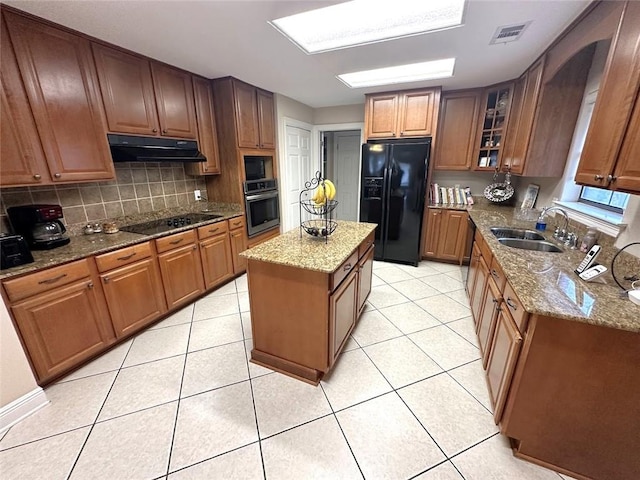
413,72
367,21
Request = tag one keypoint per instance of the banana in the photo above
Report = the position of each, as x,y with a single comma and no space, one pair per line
331,190
319,196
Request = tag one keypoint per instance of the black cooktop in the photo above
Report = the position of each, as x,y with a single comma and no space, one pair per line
167,224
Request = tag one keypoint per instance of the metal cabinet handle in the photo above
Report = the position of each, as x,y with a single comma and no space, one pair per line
175,242
126,257
598,177
195,247
164,130
494,300
155,130
611,178
37,176
495,274
52,280
511,304
106,279
213,230
90,285
347,267
57,175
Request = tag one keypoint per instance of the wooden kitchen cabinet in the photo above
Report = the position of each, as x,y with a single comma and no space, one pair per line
127,91
23,161
342,314
254,116
181,270
406,114
207,131
502,359
476,297
174,100
217,263
494,117
238,245
474,265
457,127
61,83
132,287
446,234
365,275
143,97
60,316
612,135
490,307
266,116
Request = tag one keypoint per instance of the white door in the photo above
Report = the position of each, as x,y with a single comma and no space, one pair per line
346,170
298,170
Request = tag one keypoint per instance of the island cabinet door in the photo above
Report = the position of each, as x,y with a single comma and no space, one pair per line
342,311
181,271
62,327
365,273
134,296
505,348
217,263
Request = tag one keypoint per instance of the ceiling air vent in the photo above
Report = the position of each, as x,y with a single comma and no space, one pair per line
508,33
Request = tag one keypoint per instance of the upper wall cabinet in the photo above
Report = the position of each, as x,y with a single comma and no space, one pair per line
457,127
207,131
412,113
142,97
607,159
492,125
61,83
254,116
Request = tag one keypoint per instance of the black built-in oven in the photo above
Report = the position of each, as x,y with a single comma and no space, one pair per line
262,205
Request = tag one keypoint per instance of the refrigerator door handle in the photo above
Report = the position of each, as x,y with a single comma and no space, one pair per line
386,199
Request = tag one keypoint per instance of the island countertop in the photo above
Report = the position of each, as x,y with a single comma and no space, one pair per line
312,253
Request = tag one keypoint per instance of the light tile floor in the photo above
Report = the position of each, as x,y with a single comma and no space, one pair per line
406,399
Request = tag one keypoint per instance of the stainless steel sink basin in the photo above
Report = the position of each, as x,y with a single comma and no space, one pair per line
505,232
525,244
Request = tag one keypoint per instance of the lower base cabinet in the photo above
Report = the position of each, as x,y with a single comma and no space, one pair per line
217,263
446,234
365,274
342,313
134,296
238,245
62,327
182,276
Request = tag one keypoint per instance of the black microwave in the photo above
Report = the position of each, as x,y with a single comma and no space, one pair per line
256,167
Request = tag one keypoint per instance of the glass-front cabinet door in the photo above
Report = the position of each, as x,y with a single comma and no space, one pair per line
492,127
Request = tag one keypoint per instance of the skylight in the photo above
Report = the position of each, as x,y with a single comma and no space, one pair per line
413,72
367,21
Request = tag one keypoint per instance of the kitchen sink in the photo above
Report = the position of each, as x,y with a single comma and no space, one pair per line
525,244
504,232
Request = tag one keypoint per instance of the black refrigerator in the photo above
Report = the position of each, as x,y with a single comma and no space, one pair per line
393,179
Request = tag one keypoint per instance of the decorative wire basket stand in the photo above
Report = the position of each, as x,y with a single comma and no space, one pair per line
317,227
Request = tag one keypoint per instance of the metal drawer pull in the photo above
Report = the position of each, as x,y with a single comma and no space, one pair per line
127,257
494,300
52,280
511,304
347,267
90,285
495,274
106,279
213,230
598,177
175,242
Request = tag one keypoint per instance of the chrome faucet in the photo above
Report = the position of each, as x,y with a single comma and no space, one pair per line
559,234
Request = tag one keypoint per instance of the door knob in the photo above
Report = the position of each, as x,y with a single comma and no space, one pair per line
164,131
37,176
611,178
598,177
57,175
155,130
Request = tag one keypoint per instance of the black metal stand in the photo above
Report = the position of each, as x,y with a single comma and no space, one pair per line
324,225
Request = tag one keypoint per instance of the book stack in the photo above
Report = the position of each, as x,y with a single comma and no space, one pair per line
450,195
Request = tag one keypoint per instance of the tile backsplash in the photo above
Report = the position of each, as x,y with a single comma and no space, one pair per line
138,188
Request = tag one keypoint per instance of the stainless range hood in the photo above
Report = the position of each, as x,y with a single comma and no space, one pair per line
128,148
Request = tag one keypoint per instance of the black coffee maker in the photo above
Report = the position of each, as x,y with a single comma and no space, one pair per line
40,225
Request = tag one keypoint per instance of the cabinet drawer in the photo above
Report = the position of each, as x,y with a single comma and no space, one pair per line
364,246
343,270
237,222
174,241
212,229
46,280
498,275
124,256
517,311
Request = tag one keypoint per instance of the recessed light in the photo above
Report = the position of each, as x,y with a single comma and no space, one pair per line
413,72
367,21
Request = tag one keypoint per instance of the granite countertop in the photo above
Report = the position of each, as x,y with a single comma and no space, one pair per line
546,283
82,246
312,253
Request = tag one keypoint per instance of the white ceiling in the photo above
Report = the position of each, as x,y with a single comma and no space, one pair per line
218,38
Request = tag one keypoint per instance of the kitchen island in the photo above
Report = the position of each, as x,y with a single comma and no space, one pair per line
306,295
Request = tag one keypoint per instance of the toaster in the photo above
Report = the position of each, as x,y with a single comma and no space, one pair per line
14,251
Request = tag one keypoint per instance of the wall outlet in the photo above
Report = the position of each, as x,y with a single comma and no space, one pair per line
197,195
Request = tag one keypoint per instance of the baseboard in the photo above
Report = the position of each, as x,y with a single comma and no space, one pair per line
21,408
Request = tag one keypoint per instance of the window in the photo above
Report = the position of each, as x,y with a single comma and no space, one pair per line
601,198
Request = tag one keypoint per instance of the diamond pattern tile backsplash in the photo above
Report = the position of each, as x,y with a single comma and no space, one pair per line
138,188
